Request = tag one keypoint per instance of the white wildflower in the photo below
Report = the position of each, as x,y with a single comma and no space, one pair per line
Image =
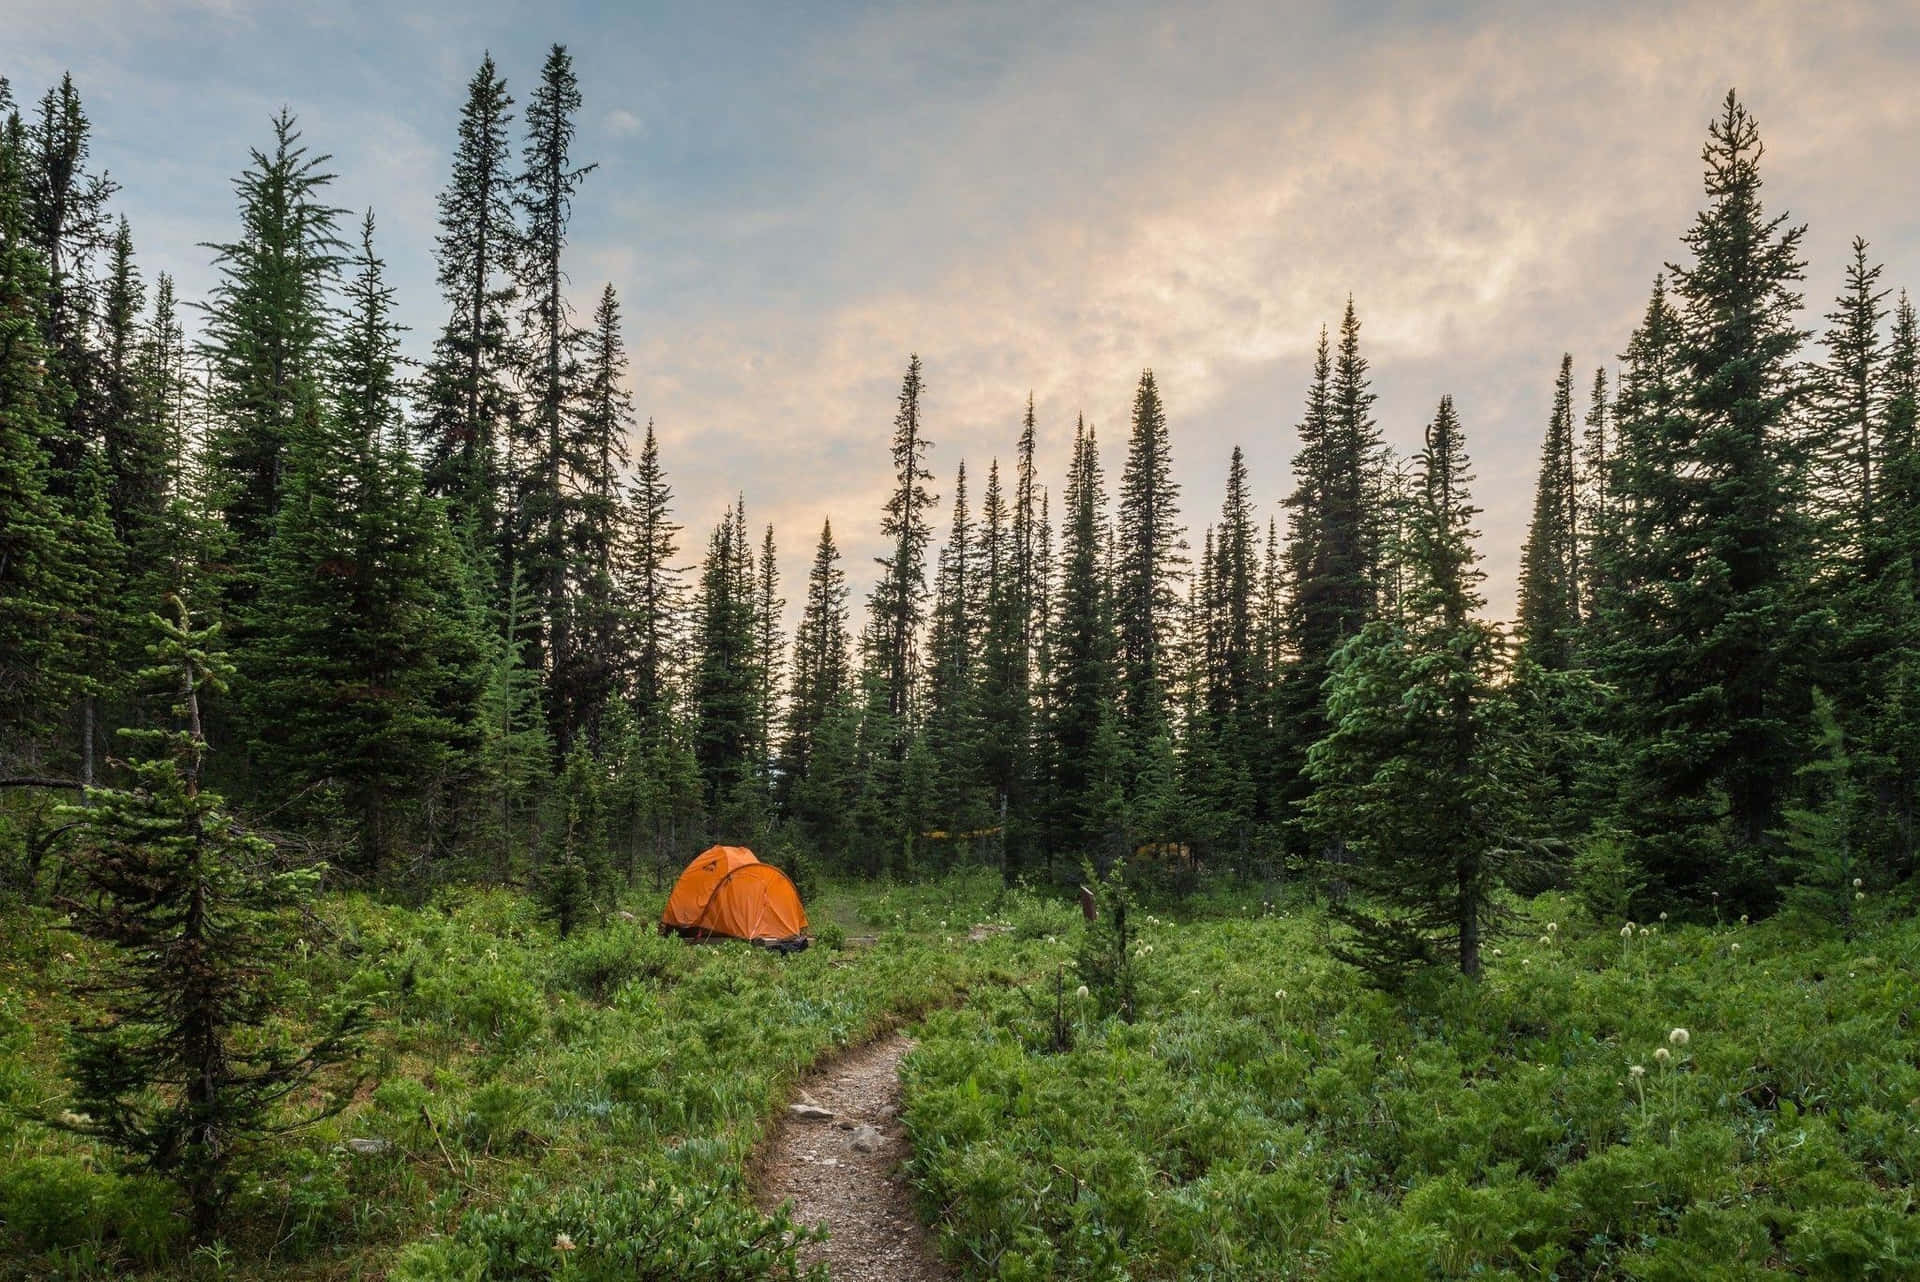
563,1242
1679,1037
1663,1054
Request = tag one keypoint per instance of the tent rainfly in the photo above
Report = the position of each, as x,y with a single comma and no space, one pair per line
726,891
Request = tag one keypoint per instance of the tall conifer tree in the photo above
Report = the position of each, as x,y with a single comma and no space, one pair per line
821,663
1150,556
650,585
468,397
1549,618
31,550
547,449
1081,655
769,648
586,678
266,331
725,678
900,595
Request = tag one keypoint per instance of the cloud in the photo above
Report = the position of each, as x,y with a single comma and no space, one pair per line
1048,198
1492,196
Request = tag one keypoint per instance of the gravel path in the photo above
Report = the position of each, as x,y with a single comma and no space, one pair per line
837,1173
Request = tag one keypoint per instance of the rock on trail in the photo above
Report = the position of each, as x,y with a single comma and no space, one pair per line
845,1172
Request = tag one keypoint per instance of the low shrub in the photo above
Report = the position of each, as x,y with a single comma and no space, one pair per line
1689,1102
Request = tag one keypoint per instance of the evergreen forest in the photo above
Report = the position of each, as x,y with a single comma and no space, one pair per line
362,693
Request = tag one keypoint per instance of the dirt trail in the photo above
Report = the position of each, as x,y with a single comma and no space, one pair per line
844,1171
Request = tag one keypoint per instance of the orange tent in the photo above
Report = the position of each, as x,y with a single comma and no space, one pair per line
727,891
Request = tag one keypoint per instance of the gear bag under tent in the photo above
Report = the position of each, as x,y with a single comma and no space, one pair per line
726,891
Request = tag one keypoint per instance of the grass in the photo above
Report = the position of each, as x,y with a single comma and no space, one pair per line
516,1088
1266,1117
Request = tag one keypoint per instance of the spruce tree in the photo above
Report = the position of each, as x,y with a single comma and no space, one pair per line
589,679
1336,525
1595,501
547,453
1002,703
136,467
1740,691
514,753
265,336
1866,557
820,673
1150,552
66,208
186,1067
468,398
952,672
63,215
1081,654
1634,558
1425,772
769,650
1203,821
900,595
1893,732
1848,396
31,551
1711,639
1549,607
1235,695
650,586
1027,568
1344,572
1312,625
1900,437
1013,675
364,673
1397,497
726,678
575,866
1040,762
1553,634
140,396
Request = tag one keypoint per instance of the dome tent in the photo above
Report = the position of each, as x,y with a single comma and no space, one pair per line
727,891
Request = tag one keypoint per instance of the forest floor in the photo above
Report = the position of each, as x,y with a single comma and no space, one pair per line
525,1107
1704,1100
843,1170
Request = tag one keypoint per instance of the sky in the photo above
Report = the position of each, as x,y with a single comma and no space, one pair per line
1046,198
